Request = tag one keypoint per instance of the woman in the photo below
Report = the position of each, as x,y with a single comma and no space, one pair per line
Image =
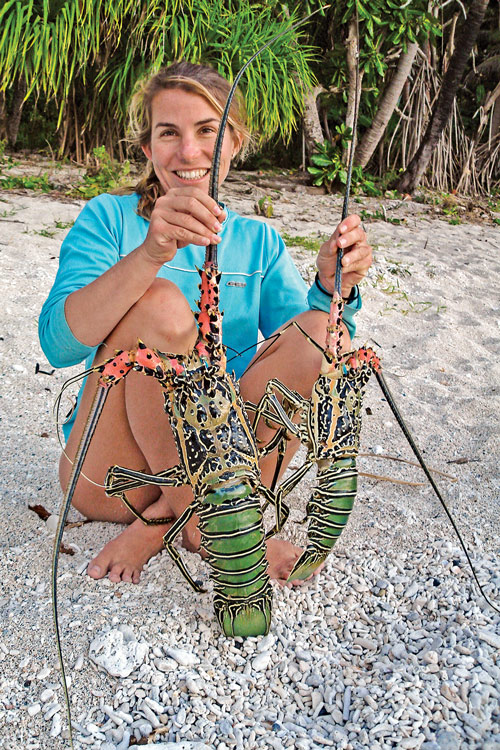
128,270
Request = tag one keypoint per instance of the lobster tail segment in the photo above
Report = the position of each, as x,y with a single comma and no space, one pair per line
245,616
328,511
233,536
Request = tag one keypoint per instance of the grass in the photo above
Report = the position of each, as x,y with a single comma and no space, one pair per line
387,280
312,244
47,232
44,232
8,212
380,216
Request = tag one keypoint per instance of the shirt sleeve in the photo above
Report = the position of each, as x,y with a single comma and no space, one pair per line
91,247
284,293
320,300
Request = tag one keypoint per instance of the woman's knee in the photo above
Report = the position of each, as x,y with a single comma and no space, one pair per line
161,318
314,323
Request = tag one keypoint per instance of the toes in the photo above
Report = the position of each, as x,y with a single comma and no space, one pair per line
95,571
130,575
116,573
136,576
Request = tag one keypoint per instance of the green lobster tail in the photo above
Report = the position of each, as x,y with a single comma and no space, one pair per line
307,564
245,616
328,512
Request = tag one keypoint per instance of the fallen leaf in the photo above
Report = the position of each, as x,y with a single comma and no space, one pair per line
41,512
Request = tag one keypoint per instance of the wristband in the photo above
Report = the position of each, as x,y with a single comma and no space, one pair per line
352,296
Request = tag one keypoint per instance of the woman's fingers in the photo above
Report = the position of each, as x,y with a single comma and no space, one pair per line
192,202
357,255
190,230
350,238
183,216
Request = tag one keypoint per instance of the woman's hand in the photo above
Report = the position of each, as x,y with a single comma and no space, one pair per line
183,216
357,259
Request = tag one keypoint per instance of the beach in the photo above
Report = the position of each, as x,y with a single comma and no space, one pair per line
392,645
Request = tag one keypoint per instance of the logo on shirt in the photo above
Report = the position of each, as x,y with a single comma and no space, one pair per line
236,283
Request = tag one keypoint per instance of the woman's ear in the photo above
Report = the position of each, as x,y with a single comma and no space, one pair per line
147,151
237,144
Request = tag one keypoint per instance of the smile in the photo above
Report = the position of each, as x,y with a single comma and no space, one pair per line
194,174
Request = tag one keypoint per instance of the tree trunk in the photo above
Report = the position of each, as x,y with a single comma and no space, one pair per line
354,91
14,118
3,117
388,102
451,81
312,125
495,119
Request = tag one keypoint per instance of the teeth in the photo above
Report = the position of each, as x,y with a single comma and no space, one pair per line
195,174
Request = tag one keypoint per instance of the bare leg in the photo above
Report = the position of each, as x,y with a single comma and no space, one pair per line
163,318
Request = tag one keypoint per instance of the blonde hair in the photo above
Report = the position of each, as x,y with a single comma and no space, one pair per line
198,79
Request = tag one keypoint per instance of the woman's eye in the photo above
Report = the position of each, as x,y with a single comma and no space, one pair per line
167,132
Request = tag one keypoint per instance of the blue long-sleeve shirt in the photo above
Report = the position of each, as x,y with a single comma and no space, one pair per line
260,288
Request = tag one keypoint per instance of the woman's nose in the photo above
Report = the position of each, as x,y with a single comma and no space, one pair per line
189,148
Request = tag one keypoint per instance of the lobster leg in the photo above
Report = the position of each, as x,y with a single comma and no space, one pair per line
168,540
279,415
282,511
119,479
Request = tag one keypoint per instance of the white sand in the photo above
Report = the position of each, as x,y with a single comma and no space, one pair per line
438,338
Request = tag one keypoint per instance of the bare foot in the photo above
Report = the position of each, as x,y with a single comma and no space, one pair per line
124,557
282,556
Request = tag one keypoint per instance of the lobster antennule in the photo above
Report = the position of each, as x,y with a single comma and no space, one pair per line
333,343
209,318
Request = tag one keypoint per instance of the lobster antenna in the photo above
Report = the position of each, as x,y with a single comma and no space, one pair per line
345,207
213,190
394,408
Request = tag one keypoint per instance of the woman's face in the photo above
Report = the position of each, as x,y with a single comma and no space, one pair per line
183,132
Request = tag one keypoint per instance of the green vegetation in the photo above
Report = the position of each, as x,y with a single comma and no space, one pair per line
27,182
68,68
104,175
388,280
330,171
86,57
264,207
44,232
380,215
312,244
